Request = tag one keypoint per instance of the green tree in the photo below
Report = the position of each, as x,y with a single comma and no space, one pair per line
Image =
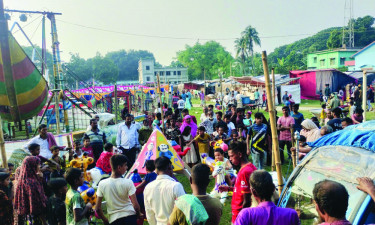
209,59
77,69
240,45
104,69
364,32
176,64
250,34
334,40
127,62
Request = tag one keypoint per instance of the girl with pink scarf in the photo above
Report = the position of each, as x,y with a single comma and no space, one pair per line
188,122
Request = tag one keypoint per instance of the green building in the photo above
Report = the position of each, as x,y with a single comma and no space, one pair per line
329,59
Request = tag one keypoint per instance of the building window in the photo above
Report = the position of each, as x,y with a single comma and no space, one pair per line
168,73
315,59
155,73
147,67
174,72
322,62
178,72
342,60
161,73
332,61
147,78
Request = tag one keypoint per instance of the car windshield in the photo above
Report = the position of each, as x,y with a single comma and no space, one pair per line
338,163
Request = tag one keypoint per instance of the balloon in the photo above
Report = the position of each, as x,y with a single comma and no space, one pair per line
224,147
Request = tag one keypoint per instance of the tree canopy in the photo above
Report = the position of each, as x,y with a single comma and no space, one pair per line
210,58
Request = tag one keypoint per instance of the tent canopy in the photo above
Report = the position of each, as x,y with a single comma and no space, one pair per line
312,81
156,146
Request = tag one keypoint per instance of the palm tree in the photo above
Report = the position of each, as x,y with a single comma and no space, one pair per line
251,37
241,51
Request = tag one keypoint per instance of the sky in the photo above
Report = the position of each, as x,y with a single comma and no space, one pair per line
165,27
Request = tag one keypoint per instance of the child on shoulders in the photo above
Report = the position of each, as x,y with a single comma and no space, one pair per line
219,156
104,159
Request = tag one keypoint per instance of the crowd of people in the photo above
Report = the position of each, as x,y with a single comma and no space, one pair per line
37,191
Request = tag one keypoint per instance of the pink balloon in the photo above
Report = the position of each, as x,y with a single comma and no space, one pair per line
224,147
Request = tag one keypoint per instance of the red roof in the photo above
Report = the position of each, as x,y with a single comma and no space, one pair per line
249,80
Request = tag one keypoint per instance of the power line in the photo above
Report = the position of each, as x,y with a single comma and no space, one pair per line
188,38
28,24
169,37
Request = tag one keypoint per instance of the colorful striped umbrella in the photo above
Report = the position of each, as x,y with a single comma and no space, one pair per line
30,88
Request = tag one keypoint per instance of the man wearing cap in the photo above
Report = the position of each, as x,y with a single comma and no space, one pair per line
127,139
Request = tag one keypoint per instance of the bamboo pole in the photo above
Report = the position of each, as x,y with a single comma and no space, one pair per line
364,94
162,111
274,107
275,142
57,113
2,146
134,108
142,100
68,141
221,94
116,104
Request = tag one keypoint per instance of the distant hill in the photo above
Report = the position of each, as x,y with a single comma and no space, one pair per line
293,56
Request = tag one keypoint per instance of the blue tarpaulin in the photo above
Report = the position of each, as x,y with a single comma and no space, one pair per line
361,135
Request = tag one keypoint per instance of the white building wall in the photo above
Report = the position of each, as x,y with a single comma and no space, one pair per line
173,75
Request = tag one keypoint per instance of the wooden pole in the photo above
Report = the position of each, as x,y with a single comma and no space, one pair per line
2,145
27,130
57,113
68,141
135,110
116,103
275,142
142,100
162,112
273,167
73,118
221,91
364,94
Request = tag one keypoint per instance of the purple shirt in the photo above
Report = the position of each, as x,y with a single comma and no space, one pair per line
266,213
339,222
201,95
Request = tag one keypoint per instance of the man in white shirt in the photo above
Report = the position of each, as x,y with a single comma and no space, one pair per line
226,101
180,105
160,194
230,125
119,193
127,139
239,100
44,139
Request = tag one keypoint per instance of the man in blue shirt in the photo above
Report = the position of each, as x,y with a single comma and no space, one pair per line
285,96
298,118
288,104
183,95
